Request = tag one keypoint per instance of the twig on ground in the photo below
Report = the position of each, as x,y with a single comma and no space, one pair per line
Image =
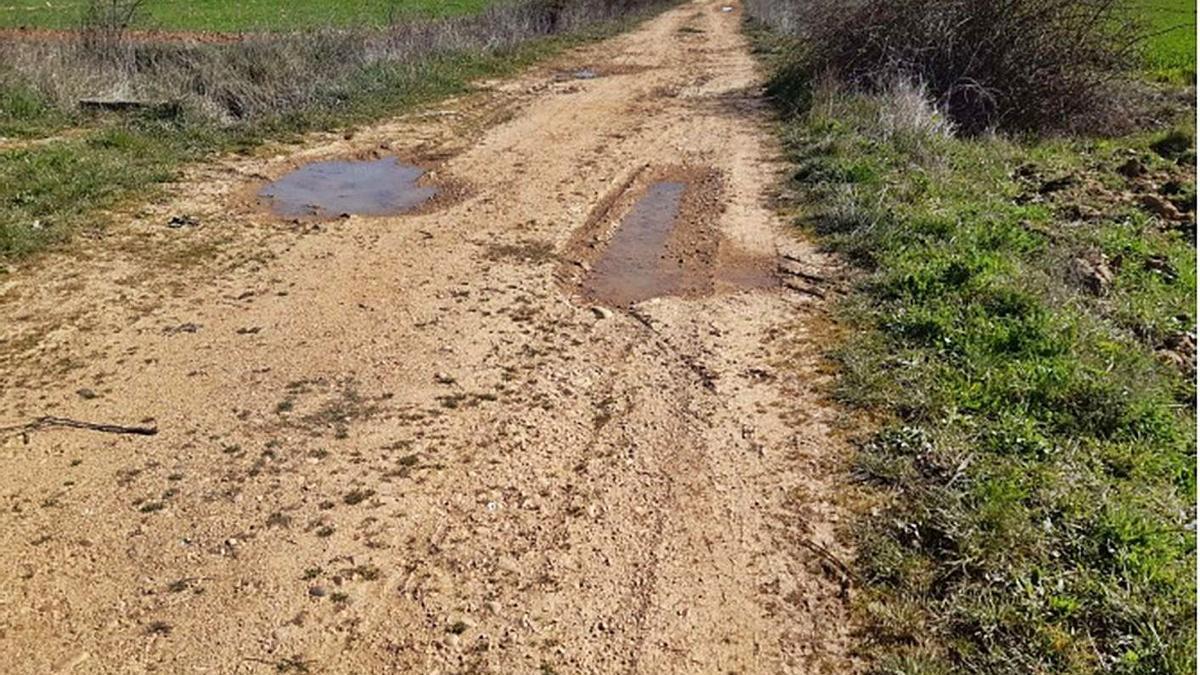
48,421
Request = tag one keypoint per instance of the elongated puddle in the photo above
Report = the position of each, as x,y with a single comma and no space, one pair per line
335,188
637,265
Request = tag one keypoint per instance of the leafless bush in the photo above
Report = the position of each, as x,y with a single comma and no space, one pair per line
270,74
1026,65
102,28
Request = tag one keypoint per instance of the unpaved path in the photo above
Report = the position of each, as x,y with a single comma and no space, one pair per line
413,444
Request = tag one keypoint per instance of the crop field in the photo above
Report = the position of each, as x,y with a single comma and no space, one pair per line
224,16
1172,49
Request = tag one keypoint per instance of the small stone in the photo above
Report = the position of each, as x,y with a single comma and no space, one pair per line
453,641
506,564
86,394
602,312
177,222
492,606
443,378
317,591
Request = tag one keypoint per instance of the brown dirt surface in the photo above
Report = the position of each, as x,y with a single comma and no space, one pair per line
410,443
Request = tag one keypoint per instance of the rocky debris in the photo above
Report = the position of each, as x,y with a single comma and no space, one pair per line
1161,207
1093,272
444,378
184,220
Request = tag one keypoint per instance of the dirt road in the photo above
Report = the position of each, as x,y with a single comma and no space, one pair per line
442,441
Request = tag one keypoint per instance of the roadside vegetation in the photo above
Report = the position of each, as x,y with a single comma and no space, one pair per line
243,16
1017,191
61,165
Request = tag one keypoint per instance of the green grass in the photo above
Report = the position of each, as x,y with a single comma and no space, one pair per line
1171,51
24,114
1031,487
244,15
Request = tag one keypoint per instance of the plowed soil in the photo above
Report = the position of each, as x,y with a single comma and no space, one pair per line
416,443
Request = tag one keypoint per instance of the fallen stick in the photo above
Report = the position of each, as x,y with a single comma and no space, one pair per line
848,576
48,421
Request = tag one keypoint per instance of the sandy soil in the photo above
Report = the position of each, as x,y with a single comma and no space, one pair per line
412,443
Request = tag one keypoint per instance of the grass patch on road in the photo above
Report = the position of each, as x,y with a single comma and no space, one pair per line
1023,325
247,15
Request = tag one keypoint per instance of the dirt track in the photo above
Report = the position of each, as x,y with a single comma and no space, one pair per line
413,444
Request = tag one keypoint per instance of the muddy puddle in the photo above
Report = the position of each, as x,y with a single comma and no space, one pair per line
667,244
636,265
330,189
595,72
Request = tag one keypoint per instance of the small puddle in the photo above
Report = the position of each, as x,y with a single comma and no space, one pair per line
334,188
636,265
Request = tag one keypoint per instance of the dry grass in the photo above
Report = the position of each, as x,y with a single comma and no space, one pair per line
271,74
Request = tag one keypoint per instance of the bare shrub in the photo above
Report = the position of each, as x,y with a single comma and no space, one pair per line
1025,65
102,28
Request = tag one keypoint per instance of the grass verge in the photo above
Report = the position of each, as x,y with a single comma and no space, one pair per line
1023,325
50,190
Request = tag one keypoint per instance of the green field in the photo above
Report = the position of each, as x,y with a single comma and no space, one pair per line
1171,50
225,16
